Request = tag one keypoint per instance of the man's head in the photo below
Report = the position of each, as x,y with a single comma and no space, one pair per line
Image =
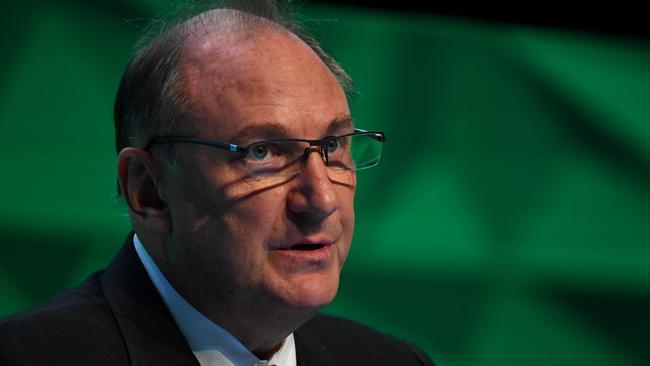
150,100
233,244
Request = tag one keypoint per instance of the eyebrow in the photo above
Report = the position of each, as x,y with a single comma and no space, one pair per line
343,122
264,129
272,130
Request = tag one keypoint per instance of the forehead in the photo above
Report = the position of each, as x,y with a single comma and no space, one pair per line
239,81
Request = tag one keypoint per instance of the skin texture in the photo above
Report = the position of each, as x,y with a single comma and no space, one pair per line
222,238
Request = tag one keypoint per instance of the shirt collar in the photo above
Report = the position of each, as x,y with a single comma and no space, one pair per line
211,344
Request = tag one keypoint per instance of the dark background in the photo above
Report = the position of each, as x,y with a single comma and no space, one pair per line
508,223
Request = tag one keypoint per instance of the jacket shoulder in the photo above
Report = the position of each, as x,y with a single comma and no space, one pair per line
350,342
63,329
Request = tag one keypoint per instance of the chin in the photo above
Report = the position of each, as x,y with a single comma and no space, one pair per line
310,292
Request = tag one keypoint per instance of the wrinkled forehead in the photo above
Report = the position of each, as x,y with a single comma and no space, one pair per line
236,80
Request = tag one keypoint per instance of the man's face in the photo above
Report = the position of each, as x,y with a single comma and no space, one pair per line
241,238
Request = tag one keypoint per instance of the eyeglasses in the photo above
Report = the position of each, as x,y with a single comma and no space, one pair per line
346,153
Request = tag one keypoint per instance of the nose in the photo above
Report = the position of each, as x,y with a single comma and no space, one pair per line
314,193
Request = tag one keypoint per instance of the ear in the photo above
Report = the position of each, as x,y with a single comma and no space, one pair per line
139,188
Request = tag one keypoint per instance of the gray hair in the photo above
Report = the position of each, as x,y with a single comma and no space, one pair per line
150,100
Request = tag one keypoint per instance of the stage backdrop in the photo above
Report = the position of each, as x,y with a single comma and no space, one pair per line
508,223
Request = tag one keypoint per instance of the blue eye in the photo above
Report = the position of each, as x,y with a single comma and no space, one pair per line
332,146
259,152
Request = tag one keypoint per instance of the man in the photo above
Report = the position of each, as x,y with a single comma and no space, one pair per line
237,160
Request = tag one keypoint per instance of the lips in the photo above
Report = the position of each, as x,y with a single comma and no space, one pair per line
316,249
307,243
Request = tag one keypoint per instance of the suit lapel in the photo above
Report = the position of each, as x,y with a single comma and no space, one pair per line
310,351
148,329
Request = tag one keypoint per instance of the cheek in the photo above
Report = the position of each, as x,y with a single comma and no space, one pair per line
255,218
346,201
347,217
245,189
251,225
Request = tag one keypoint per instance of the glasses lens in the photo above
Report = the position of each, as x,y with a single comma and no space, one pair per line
275,158
344,154
355,152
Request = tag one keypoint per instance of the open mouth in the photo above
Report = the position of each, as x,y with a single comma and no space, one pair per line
306,247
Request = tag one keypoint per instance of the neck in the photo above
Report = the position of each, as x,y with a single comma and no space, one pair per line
259,325
258,322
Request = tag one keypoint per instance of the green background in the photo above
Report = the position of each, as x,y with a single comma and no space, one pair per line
506,225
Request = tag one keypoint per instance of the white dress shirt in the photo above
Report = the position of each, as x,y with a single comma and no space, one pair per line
211,344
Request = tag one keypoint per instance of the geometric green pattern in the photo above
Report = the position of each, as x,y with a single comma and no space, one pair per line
506,225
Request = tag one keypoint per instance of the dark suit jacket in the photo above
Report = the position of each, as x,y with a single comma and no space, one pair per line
116,317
